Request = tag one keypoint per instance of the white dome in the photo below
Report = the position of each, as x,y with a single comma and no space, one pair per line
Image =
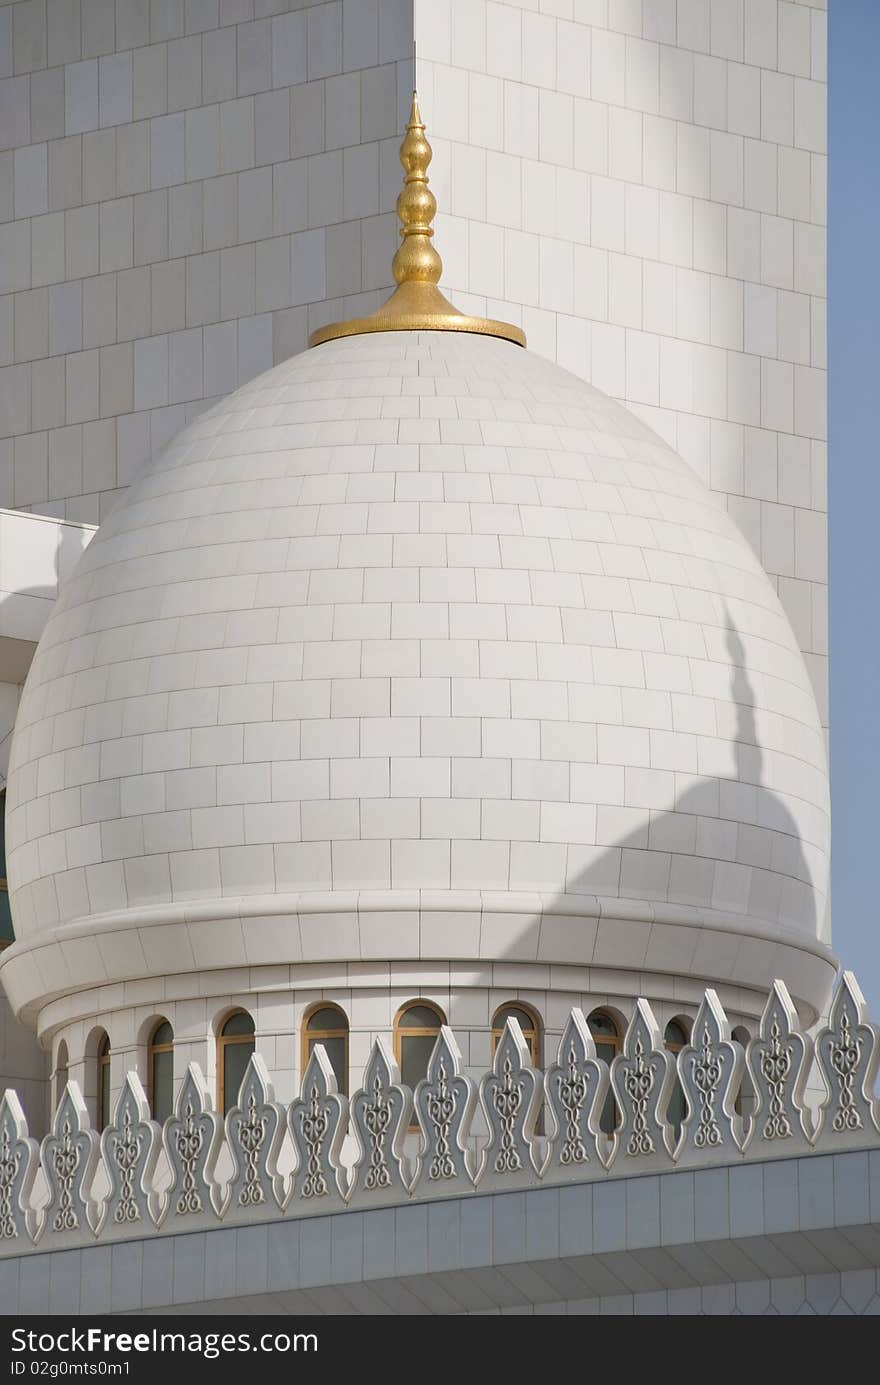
418,646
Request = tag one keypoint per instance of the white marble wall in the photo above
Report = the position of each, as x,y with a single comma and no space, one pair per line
189,186
24,1065
791,1236
370,1001
642,187
181,181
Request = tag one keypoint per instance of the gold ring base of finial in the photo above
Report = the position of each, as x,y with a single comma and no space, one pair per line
417,305
418,322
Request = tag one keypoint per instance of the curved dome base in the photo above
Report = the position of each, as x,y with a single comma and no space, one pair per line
472,927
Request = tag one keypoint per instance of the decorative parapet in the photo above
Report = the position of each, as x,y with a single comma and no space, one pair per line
444,1101
130,1149
316,1122
778,1060
710,1070
192,1139
510,1095
254,1135
380,1117
848,1054
643,1076
69,1159
516,1151
19,1161
575,1087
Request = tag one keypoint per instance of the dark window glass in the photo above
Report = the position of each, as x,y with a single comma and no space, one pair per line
417,1029
415,1054
161,1071
6,933
675,1038
527,1023
104,1083
329,1026
235,1061
606,1037
61,1072
239,1023
234,1048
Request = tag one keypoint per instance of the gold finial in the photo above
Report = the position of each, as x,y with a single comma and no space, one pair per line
416,260
417,303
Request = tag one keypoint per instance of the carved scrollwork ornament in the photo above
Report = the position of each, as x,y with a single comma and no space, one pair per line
575,1087
69,1156
510,1097
848,1054
254,1132
130,1148
576,1090
778,1060
192,1138
710,1070
444,1102
316,1121
381,1113
19,1161
643,1077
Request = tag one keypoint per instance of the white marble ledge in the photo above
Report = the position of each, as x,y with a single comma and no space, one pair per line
789,1221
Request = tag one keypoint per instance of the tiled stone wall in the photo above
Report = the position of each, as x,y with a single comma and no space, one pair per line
24,1066
642,186
189,185
790,1236
181,180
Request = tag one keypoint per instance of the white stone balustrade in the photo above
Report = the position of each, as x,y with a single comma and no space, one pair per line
543,1128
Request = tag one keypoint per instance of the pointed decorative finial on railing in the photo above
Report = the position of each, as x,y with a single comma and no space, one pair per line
417,303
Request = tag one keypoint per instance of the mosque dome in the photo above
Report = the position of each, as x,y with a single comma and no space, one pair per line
420,612
418,647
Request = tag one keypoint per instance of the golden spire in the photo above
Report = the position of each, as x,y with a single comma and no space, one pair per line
417,304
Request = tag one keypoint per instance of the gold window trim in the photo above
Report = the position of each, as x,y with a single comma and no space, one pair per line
317,1036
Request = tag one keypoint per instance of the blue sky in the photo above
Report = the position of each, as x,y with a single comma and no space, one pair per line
854,483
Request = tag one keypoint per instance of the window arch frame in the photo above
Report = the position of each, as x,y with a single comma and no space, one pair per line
685,1025
103,1058
310,1037
615,1041
224,1041
534,1035
152,1050
403,1031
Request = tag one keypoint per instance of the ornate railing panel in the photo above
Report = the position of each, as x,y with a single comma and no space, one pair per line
536,1128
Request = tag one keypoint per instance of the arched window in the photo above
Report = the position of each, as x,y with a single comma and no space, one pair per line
675,1037
62,1062
6,934
103,1102
415,1033
235,1044
606,1036
744,1104
327,1025
160,1071
528,1022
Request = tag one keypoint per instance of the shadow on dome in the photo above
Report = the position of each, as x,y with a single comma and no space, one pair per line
729,845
